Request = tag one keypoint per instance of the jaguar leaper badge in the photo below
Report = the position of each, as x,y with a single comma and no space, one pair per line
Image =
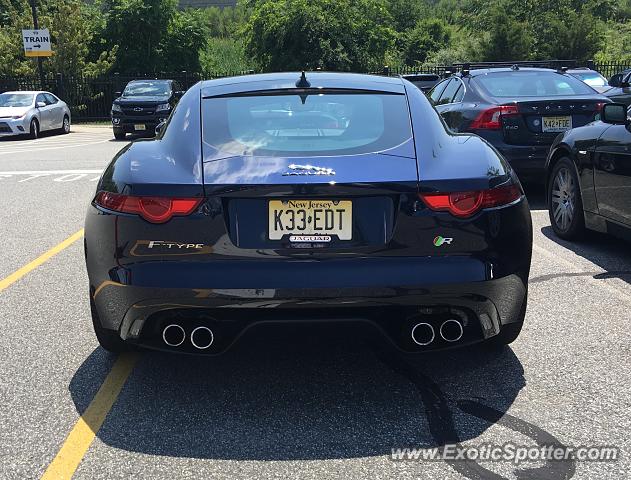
294,169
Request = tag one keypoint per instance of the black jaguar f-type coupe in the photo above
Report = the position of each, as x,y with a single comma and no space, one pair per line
589,177
293,198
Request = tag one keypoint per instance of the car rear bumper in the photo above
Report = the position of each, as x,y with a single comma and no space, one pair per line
528,161
389,295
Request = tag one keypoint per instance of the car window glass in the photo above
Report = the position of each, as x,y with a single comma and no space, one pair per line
15,100
593,79
459,94
147,88
434,95
449,92
531,84
312,125
40,98
50,100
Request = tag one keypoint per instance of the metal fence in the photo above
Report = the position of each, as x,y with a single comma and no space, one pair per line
90,98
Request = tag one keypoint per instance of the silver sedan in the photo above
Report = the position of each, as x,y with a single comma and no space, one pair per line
29,113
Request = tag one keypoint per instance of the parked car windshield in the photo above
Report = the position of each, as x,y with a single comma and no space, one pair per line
16,100
308,125
593,79
147,89
532,84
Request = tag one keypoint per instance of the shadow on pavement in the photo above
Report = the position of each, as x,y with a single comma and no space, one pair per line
302,394
536,194
608,252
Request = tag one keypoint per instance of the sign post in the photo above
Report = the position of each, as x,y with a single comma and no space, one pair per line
37,43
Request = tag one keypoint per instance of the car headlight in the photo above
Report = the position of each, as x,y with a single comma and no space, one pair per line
162,107
116,108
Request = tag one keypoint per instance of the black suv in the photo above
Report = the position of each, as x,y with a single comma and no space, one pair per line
143,105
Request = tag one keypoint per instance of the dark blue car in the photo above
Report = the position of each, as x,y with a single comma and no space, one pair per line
519,110
297,198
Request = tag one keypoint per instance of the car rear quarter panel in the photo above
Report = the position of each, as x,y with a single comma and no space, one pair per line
169,164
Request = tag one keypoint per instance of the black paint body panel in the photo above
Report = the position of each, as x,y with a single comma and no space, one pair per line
217,263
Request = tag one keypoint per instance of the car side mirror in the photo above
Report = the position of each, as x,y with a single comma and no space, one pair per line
614,113
40,104
160,126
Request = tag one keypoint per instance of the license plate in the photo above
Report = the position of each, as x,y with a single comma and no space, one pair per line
310,217
140,127
557,124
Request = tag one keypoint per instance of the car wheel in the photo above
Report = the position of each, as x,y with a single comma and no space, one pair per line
119,135
65,127
565,204
108,339
34,129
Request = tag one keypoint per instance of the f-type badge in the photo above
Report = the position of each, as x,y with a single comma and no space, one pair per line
307,170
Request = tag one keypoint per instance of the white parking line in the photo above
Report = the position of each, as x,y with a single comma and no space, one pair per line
55,147
61,176
49,172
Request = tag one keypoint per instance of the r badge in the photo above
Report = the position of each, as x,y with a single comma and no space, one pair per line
439,241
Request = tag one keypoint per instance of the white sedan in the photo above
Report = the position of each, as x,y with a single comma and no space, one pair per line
29,113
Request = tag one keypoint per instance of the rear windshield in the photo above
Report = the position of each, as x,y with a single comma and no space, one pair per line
593,79
531,84
308,125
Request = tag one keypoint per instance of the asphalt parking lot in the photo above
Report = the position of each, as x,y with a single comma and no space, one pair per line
292,404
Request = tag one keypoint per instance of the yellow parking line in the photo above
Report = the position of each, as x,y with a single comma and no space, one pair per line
15,276
81,436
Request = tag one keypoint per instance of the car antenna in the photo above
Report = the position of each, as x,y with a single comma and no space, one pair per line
303,82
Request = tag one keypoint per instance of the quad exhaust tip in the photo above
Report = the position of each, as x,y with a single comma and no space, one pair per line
451,330
423,334
173,335
202,338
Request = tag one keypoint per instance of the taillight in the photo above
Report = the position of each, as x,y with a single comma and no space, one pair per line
466,204
152,209
491,119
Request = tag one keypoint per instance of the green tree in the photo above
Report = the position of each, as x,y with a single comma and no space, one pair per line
328,34
138,28
427,37
186,36
72,24
617,48
507,39
571,36
406,13
224,56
